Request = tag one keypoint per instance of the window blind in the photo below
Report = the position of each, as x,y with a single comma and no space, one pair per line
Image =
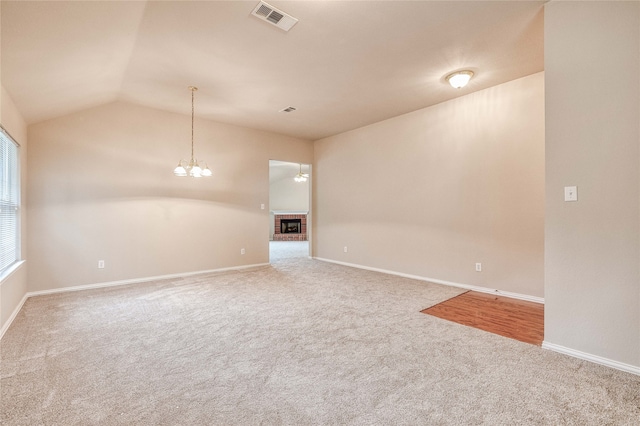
9,201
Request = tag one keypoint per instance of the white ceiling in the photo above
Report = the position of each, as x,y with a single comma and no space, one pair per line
345,64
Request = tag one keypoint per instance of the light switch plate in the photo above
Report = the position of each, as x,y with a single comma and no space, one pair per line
571,193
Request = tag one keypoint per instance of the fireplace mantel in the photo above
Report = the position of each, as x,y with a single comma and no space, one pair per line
290,211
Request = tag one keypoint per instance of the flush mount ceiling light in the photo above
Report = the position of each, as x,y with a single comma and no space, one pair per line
301,177
191,168
459,79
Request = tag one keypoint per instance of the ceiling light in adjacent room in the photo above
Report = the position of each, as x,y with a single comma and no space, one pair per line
301,177
459,79
192,168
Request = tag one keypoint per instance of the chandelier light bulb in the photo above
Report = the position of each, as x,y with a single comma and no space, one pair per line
179,170
196,171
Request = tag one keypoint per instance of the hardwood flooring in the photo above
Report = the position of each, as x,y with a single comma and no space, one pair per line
517,319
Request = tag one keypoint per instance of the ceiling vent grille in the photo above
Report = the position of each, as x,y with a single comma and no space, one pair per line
288,109
276,17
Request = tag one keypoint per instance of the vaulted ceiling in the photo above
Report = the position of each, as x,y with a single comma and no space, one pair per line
344,65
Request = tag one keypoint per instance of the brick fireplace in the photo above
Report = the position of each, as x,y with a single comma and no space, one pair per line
290,227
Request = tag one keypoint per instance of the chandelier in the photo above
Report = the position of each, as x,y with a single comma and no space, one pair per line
191,168
301,177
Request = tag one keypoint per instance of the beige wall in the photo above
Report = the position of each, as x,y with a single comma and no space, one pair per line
432,192
14,287
592,278
101,188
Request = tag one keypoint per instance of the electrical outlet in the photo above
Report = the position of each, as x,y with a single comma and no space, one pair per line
261,206
478,267
242,251
100,264
346,249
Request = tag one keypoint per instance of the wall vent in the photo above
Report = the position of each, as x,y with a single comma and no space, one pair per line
288,109
276,17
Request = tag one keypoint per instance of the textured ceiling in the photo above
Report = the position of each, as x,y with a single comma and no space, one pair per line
343,66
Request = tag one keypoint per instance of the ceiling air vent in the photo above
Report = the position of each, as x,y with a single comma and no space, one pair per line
288,109
276,17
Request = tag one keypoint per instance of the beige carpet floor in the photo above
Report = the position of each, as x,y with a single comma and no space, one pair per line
300,342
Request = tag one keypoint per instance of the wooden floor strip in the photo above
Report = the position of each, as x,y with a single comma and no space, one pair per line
517,319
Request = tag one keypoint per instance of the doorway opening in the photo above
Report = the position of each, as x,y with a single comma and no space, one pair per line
289,210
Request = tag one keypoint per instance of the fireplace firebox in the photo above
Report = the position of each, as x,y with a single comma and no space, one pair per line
290,226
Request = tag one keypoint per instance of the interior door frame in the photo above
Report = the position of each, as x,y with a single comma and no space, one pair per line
309,213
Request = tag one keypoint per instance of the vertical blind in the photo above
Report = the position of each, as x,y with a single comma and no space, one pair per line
9,201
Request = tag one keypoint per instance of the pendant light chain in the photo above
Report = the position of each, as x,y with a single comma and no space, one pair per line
193,89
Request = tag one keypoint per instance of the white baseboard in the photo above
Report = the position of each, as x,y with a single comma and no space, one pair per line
139,280
13,316
592,358
437,281
114,284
